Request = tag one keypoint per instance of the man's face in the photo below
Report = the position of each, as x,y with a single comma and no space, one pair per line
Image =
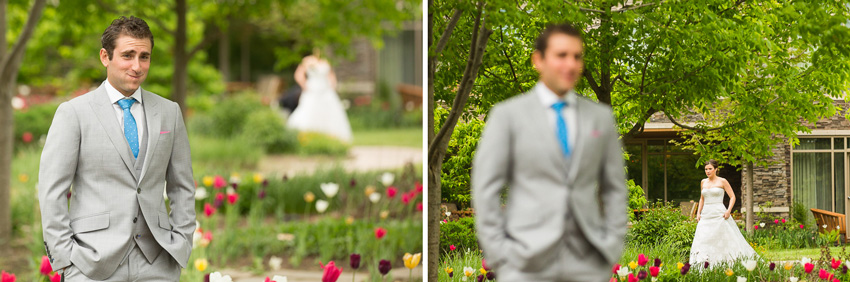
561,66
129,65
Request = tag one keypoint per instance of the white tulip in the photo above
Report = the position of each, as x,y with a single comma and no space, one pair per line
235,179
196,237
375,197
749,264
322,206
623,271
742,279
793,279
824,226
201,193
387,178
330,189
278,278
216,277
230,190
805,260
274,263
448,213
761,225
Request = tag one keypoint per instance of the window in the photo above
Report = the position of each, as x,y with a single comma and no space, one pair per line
818,169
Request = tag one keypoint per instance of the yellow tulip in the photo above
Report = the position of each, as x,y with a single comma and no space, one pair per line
309,197
23,178
369,190
201,264
411,261
788,266
483,271
680,265
449,270
258,178
208,181
468,271
633,265
349,220
729,272
385,214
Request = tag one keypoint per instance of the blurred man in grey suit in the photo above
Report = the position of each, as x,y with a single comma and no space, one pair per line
119,146
560,158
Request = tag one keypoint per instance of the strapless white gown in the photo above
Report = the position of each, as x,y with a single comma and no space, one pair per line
319,108
716,239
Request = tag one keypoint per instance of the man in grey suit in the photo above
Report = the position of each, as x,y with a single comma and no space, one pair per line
560,158
118,146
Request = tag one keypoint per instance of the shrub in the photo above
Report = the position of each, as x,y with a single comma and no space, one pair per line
656,223
681,236
312,143
36,120
265,128
230,115
454,178
636,198
460,233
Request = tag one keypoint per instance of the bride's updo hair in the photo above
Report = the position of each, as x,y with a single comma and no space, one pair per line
713,163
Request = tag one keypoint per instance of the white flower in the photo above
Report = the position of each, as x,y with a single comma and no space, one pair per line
18,103
330,189
742,279
654,279
230,190
200,193
847,263
824,226
274,263
623,271
793,279
285,237
838,227
278,278
463,279
805,260
749,264
235,179
468,271
387,178
322,206
196,237
216,277
375,197
448,213
761,225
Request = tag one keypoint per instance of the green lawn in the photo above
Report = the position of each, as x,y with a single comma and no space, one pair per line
796,254
406,137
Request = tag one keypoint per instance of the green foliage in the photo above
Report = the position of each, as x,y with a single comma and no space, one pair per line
776,234
311,143
460,233
35,120
381,115
656,224
637,199
681,236
265,128
230,115
454,179
223,153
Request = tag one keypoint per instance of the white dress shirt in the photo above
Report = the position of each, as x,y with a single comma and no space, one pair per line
549,98
136,109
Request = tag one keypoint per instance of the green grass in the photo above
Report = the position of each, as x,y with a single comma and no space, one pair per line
406,137
796,254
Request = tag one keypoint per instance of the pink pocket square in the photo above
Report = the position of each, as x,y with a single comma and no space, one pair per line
164,132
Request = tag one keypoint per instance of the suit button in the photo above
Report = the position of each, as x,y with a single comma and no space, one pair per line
138,190
134,219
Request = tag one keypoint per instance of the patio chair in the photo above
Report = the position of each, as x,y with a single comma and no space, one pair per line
831,220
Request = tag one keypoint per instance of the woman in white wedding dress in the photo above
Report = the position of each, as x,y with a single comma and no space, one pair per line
717,238
319,108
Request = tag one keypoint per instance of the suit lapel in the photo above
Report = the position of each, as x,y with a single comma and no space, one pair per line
583,124
549,139
106,115
153,122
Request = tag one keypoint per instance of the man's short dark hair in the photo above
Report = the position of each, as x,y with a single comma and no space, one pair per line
132,26
562,28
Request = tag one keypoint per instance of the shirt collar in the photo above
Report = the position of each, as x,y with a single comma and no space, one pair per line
114,95
549,98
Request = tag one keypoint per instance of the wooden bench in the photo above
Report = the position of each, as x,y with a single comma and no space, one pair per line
831,220
689,208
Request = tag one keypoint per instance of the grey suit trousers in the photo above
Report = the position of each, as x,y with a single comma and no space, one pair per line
135,267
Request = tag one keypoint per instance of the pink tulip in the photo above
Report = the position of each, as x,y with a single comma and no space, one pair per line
6,277
45,266
27,137
632,278
616,268
452,247
209,210
208,236
783,220
823,274
642,260
391,191
835,263
380,233
755,227
419,206
776,221
56,278
801,226
231,198
219,182
331,273
809,267
418,187
405,198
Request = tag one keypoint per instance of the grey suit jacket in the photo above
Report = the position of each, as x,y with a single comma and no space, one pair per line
86,149
519,150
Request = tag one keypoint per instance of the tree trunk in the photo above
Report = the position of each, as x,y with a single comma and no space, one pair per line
434,198
246,53
750,205
439,142
10,62
181,58
224,51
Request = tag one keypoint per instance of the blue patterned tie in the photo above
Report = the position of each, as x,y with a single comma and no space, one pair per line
562,126
130,130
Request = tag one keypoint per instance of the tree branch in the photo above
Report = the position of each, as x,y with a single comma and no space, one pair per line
510,64
444,38
203,44
3,4
639,126
13,59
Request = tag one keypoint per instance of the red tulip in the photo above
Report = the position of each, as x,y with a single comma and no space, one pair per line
616,268
380,233
231,198
484,264
823,274
391,191
219,182
632,278
405,198
209,210
642,260
653,270
208,236
755,227
809,267
783,220
776,221
45,266
27,137
835,263
56,278
419,206
331,273
801,226
268,279
452,247
6,277
418,187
